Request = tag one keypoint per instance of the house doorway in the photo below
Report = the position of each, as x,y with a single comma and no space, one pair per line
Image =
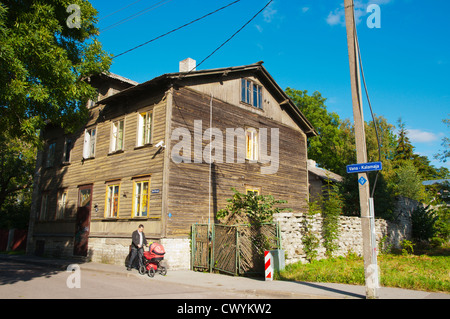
82,221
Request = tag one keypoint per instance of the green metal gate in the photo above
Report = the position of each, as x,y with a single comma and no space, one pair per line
233,249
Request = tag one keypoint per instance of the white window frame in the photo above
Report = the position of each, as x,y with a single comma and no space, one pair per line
62,204
117,136
138,197
90,136
251,144
145,128
109,205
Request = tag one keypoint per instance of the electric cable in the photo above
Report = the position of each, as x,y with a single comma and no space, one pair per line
176,29
368,100
234,34
137,14
123,8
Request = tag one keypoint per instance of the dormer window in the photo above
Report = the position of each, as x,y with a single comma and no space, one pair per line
251,93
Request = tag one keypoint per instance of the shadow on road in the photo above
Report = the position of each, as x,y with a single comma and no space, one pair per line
11,272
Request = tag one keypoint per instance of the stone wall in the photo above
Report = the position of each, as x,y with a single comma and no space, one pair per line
116,250
350,234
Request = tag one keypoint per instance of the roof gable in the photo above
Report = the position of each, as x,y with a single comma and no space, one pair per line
180,79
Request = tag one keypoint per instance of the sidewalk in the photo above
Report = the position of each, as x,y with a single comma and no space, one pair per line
267,289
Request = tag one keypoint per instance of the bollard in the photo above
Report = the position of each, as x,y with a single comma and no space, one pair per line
268,261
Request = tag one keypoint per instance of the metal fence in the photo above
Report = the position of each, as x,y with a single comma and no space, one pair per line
233,249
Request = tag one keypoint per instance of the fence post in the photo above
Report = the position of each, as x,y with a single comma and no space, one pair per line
192,245
211,244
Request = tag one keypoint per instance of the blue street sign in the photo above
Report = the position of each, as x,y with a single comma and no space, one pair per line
362,180
364,167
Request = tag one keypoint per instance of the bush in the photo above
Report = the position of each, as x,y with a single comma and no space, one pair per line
423,221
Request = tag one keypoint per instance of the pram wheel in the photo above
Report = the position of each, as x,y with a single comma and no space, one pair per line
163,271
151,272
142,269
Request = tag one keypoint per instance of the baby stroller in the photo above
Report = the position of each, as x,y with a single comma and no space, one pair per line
151,261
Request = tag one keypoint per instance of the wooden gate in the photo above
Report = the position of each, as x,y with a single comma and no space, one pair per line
233,249
200,247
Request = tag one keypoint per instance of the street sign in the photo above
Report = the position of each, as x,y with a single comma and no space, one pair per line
364,167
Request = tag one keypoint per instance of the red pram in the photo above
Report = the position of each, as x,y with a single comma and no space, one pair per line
151,260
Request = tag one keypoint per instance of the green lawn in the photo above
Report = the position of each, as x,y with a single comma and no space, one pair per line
423,272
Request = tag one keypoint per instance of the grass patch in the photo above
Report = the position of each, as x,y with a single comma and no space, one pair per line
429,272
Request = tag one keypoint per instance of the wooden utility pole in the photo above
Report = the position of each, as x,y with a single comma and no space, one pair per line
369,249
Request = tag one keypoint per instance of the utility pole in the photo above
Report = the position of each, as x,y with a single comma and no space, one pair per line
367,217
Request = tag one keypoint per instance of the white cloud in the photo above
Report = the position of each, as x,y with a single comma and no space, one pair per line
305,9
338,15
419,136
269,13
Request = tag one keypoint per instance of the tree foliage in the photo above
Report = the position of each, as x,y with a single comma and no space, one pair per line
334,149
43,65
250,207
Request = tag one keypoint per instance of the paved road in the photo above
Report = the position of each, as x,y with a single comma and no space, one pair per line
34,277
18,280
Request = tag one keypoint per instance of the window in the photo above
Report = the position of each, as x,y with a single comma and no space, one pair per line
251,139
251,93
252,190
44,207
67,149
112,201
62,203
89,143
144,128
141,196
117,136
51,154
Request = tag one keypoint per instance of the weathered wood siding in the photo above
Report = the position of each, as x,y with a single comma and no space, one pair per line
188,200
121,166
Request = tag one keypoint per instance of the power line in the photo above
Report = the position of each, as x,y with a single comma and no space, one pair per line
176,29
234,34
133,16
123,8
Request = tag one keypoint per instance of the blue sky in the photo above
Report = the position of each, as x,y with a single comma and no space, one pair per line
303,45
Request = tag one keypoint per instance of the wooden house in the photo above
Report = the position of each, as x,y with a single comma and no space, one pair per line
144,158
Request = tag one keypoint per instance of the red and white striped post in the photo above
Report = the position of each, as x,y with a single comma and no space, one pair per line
268,260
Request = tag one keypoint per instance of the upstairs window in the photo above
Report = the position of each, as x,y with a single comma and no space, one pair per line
251,93
144,128
51,155
89,143
68,144
117,136
251,143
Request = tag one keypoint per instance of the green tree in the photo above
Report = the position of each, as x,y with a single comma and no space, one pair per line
404,151
445,154
328,148
408,182
44,64
17,162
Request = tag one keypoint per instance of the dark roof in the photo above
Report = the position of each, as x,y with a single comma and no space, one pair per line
179,79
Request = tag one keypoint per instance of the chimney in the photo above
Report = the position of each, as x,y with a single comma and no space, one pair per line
187,65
